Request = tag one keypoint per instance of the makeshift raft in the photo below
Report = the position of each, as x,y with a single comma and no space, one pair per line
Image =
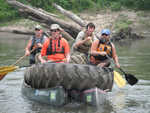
63,78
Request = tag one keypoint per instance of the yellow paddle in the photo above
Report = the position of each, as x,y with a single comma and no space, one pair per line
6,69
131,79
119,79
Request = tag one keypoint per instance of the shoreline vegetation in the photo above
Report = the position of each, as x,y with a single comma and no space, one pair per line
119,16
7,12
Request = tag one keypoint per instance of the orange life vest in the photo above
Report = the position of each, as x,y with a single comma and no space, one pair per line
107,47
53,48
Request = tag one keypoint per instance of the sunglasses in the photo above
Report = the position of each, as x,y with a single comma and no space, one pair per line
54,30
104,34
36,29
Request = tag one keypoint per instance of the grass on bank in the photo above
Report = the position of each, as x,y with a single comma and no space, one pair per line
144,17
122,22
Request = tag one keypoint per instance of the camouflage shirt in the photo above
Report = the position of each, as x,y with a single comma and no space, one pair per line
84,48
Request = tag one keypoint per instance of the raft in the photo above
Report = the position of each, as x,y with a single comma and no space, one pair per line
63,78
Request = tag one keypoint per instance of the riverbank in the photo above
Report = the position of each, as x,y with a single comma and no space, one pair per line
121,21
137,21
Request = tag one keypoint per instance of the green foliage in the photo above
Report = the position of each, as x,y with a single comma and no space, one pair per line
136,4
142,4
143,13
115,6
122,22
80,5
7,12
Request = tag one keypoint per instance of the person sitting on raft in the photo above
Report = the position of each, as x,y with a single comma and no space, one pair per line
84,39
35,44
102,50
82,45
56,48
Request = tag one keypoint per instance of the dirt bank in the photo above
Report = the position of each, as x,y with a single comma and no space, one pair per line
135,22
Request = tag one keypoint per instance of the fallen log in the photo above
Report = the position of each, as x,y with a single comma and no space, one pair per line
16,30
44,17
72,16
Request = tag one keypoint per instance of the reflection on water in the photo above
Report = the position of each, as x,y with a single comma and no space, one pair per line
135,58
12,47
129,99
118,100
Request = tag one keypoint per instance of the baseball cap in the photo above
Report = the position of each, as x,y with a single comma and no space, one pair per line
38,27
105,31
55,26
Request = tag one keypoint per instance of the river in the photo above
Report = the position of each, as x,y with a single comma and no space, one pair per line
134,58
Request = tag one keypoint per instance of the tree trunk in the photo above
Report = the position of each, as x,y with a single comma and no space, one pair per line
16,30
44,17
72,16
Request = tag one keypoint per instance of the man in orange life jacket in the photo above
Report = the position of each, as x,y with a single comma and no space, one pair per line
56,48
35,44
102,50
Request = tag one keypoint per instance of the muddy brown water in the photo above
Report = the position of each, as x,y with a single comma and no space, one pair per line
134,58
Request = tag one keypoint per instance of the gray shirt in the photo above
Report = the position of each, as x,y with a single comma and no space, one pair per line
39,40
81,36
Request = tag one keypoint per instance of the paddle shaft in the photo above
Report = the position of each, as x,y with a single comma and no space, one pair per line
55,61
117,77
122,71
22,58
131,79
13,65
47,62
114,63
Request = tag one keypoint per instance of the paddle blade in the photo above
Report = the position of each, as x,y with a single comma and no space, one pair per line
131,79
119,79
5,69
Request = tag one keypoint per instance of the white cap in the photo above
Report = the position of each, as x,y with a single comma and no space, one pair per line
38,27
55,26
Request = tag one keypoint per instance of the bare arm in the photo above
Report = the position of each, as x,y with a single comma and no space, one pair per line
67,51
114,56
41,59
79,40
27,49
77,44
67,58
43,51
39,44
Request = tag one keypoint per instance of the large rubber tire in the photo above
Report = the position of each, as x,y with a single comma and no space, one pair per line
70,76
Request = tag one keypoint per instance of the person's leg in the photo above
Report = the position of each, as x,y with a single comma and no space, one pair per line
32,59
37,60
